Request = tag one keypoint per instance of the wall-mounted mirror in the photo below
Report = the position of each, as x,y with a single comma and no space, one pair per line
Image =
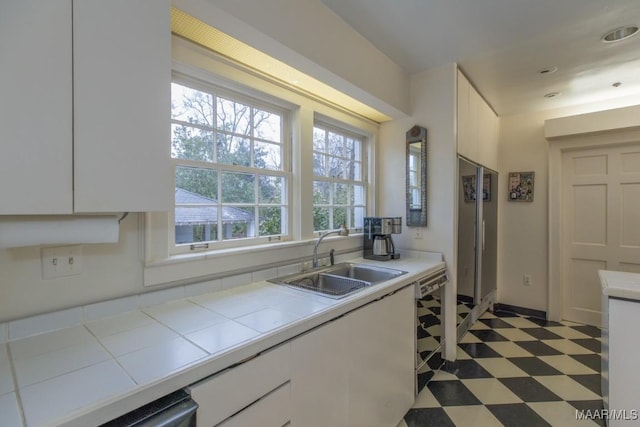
416,176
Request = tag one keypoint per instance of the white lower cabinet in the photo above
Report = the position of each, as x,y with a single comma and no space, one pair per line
358,369
272,410
319,376
381,357
620,374
255,386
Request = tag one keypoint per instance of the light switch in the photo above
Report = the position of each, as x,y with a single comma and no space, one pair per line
61,261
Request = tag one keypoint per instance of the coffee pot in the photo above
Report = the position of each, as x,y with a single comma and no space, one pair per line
380,246
377,241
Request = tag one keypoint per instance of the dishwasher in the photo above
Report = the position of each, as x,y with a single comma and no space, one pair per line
173,410
429,289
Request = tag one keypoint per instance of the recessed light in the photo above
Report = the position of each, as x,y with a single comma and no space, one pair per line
620,34
617,84
552,94
547,70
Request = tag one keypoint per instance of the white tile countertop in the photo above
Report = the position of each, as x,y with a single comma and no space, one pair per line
89,373
619,284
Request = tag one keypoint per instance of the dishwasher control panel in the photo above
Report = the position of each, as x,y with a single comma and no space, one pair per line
431,282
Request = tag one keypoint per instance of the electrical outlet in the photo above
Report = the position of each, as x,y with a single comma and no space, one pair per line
417,233
61,261
526,280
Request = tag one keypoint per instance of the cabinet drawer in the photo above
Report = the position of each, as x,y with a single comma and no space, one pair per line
225,394
270,411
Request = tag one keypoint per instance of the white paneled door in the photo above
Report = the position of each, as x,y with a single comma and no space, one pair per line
600,224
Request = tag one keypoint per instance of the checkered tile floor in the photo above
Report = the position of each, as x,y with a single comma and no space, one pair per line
515,371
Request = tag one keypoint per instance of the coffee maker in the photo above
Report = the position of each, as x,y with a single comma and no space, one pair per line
377,243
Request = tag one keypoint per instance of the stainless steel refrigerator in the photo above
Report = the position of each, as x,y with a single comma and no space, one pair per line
477,236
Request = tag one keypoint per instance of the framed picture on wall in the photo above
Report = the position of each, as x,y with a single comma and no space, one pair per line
521,186
469,188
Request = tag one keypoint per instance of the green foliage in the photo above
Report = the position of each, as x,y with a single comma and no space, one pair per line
233,147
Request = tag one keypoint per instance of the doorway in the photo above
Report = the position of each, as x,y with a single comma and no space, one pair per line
600,224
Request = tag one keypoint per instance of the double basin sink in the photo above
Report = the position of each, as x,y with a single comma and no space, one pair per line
340,280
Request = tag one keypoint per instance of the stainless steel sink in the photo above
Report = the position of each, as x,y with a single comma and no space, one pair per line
340,280
368,273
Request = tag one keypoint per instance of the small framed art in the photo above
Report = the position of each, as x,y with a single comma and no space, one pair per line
521,186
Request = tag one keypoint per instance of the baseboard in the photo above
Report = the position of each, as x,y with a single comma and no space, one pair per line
497,307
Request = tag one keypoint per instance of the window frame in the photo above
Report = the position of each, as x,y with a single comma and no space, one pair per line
161,267
344,132
285,173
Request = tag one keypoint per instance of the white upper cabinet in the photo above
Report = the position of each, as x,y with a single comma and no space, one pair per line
122,102
477,126
467,140
36,169
87,128
487,136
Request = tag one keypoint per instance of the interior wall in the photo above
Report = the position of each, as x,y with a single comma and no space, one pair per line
524,227
310,37
433,97
433,107
523,244
108,271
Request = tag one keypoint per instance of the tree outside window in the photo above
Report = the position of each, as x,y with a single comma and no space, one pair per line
228,153
339,185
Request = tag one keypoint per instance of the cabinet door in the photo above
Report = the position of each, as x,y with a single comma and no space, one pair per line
623,375
122,78
488,136
227,393
319,371
467,143
271,411
381,357
36,107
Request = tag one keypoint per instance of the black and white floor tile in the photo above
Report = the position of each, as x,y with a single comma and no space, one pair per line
429,332
515,371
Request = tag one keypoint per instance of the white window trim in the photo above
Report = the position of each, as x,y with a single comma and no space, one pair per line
218,91
160,267
365,149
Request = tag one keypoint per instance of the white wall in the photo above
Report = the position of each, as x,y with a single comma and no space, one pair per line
310,37
433,107
108,271
523,245
524,227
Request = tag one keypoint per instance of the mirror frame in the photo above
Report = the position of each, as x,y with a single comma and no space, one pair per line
417,217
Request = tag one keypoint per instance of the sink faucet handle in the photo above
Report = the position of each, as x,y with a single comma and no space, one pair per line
332,259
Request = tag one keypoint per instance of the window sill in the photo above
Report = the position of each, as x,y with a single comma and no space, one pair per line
185,268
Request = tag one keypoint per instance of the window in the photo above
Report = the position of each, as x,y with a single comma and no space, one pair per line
339,184
230,160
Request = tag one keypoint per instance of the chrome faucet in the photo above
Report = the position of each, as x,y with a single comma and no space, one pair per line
344,231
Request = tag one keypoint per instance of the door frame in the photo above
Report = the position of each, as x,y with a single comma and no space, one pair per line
557,146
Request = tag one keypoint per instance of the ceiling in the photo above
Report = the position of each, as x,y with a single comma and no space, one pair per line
502,45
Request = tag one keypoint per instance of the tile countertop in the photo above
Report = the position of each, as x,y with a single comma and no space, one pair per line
619,284
90,373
